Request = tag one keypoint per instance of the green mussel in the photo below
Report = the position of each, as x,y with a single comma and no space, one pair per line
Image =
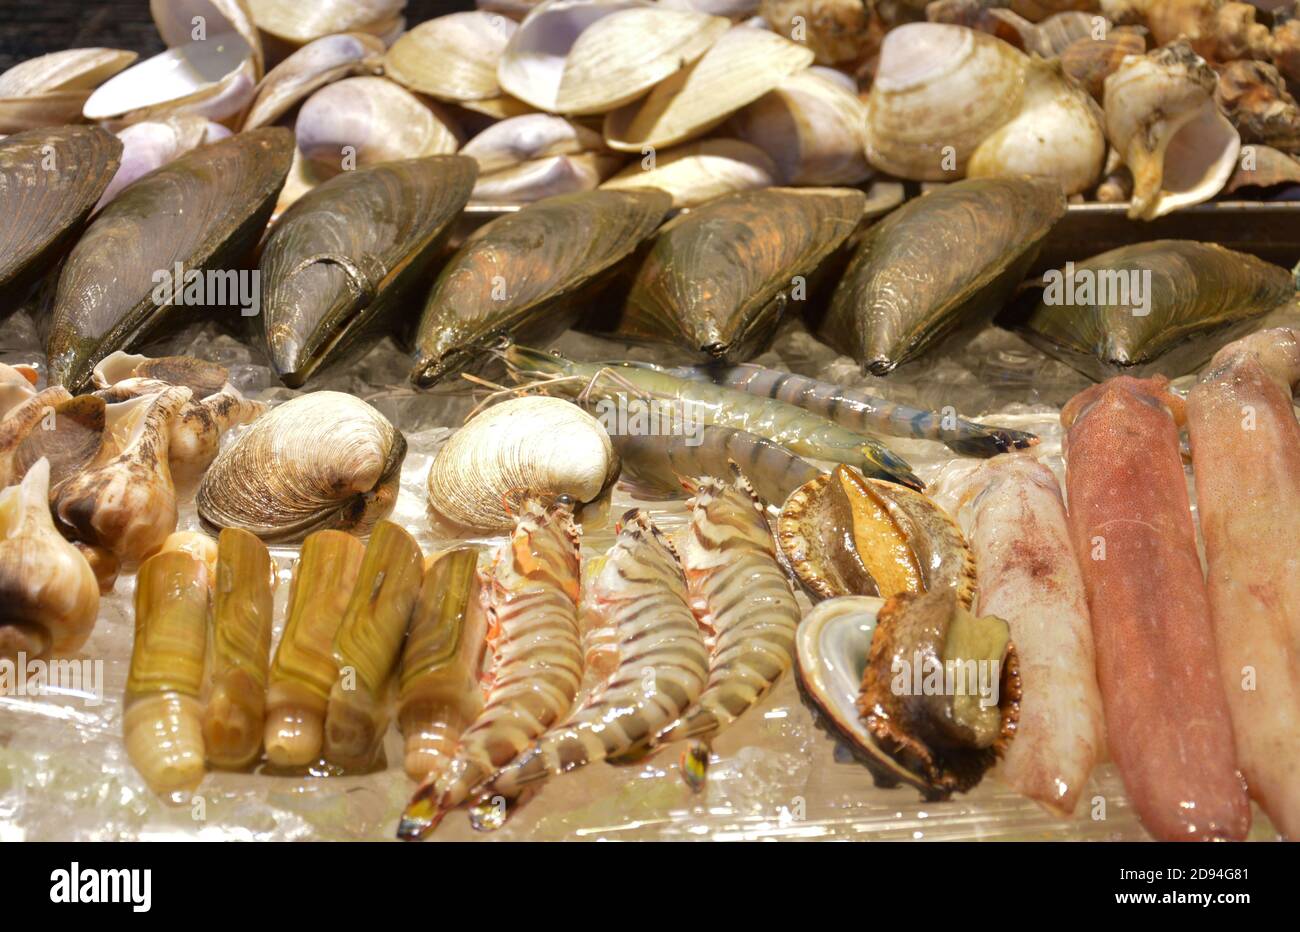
342,258
50,180
203,212
1161,307
937,262
719,279
522,275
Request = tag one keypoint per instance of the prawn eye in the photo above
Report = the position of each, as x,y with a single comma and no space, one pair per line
568,500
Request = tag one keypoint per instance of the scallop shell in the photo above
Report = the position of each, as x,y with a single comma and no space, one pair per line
532,447
310,68
812,533
700,171
49,183
323,460
579,57
939,91
742,66
452,58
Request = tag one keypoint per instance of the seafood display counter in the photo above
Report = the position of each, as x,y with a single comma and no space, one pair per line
615,419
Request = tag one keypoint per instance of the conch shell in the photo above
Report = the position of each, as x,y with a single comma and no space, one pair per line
1161,117
51,596
539,447
1253,95
322,460
125,499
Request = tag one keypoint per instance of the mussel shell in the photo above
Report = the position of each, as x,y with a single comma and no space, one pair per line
519,275
1201,296
322,461
719,279
344,256
206,210
50,180
936,262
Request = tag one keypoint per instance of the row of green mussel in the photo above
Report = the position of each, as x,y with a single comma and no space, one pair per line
347,262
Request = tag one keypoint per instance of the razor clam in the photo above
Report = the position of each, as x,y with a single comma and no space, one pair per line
369,646
522,274
50,180
718,280
844,534
304,668
322,460
243,612
162,720
539,448
442,662
936,262
51,596
310,68
206,210
346,255
1179,302
125,498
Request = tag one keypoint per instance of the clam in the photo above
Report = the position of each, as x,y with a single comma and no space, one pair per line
125,499
1057,134
844,534
939,91
19,422
324,61
1059,31
17,384
150,145
1263,167
534,447
939,694
839,32
1161,117
739,68
1159,307
298,23
243,613
719,279
322,460
68,437
363,121
51,595
592,56
936,262
546,177
50,180
1253,95
346,255
304,668
52,89
699,171
526,138
523,273
162,719
1090,61
369,647
210,69
214,407
452,58
986,16
813,128
206,210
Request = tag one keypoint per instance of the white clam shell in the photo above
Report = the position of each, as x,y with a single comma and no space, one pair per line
525,138
452,58
546,177
1162,119
534,446
1057,134
742,66
939,91
52,89
300,22
308,69
699,172
580,56
153,143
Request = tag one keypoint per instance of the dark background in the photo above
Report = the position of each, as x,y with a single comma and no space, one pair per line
34,27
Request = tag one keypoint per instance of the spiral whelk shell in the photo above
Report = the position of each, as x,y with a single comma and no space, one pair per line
323,460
